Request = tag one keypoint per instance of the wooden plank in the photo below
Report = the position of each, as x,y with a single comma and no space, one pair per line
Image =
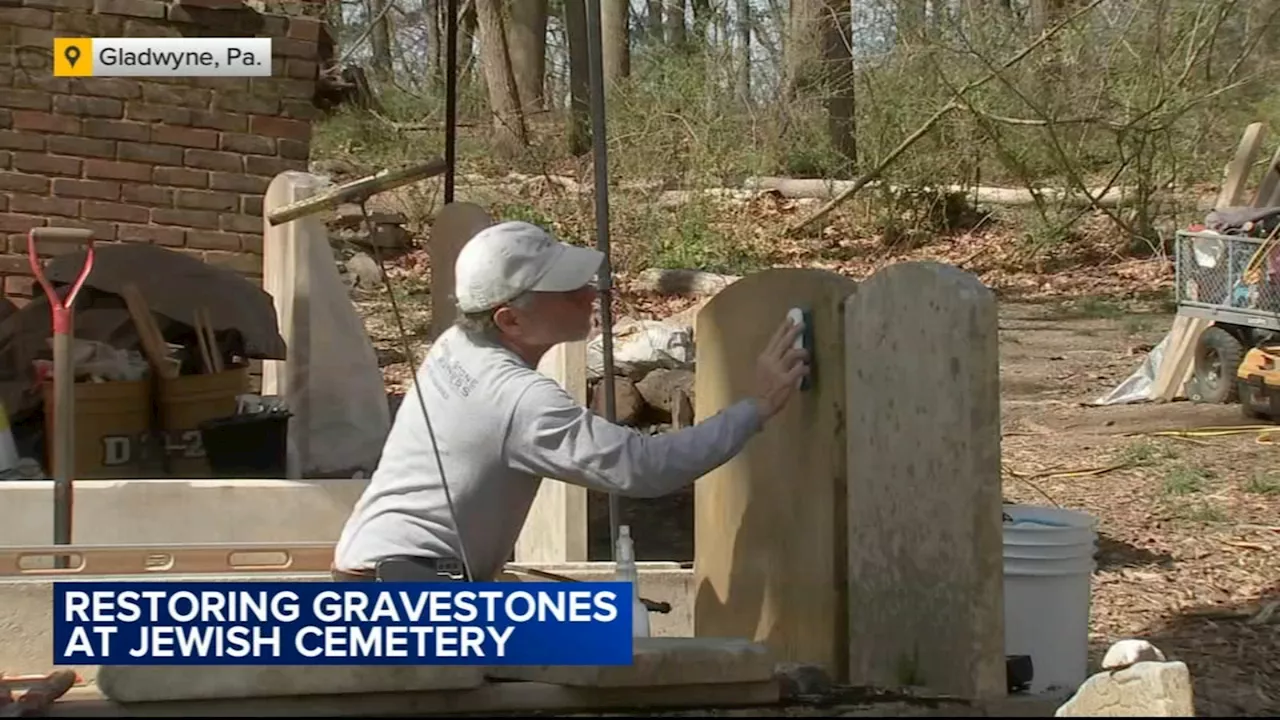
1177,365
1268,192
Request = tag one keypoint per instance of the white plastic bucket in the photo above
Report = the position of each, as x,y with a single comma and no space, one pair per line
1048,561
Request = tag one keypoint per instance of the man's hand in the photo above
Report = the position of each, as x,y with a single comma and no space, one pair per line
779,369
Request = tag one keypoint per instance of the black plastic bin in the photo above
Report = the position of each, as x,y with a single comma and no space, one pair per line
247,446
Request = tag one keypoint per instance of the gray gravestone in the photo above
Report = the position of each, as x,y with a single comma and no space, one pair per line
924,504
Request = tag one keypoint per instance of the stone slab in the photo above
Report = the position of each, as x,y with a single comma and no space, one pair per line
925,543
508,697
169,683
1147,689
129,512
453,228
661,662
769,524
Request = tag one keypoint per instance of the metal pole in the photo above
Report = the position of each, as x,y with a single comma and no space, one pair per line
595,60
450,97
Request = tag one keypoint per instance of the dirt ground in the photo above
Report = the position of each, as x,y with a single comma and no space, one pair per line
1188,526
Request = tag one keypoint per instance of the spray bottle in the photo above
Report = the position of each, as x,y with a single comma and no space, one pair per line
627,572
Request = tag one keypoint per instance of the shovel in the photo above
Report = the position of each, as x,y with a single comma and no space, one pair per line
63,374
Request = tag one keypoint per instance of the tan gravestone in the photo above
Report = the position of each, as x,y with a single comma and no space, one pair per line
924,507
455,224
769,524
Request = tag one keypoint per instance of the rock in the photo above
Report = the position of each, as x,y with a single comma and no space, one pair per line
662,387
674,281
628,404
640,346
682,410
1131,652
797,680
364,270
1147,689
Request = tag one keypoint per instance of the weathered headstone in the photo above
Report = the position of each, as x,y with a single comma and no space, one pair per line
924,507
1147,689
769,524
455,224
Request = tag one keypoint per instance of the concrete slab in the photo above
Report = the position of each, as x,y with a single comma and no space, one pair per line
169,683
662,662
509,697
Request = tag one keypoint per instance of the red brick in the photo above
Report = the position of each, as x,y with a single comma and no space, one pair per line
286,88
301,69
18,182
254,103
212,4
270,166
168,114
153,234
117,130
234,261
202,200
185,137
117,170
251,205
19,285
188,97
202,240
293,48
214,160
84,24
252,243
82,147
60,4
6,119
153,29
6,162
118,88
41,164
248,144
117,212
95,189
181,177
130,8
26,17
36,59
25,99
146,195
11,140
221,84
155,154
238,183
27,38
102,230
295,149
44,206
14,223
15,264
202,219
305,29
226,122
242,223
299,110
88,106
45,122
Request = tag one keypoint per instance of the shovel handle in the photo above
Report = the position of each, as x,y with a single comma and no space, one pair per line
60,309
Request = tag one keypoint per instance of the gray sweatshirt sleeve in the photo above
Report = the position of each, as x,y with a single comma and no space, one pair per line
552,436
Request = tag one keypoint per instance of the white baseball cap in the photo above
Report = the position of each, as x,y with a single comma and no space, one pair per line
506,260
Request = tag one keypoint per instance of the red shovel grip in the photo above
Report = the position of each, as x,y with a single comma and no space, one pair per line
60,309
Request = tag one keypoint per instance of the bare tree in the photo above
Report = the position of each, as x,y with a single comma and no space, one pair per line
510,134
528,45
615,39
575,24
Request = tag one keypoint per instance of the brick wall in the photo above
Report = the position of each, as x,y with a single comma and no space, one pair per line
181,163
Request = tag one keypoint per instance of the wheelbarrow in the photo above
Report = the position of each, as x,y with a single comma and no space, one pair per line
64,379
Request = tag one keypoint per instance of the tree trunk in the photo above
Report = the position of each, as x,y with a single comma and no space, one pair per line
701,23
435,41
837,40
510,135
380,38
615,39
528,45
744,50
677,34
468,24
653,22
575,26
911,21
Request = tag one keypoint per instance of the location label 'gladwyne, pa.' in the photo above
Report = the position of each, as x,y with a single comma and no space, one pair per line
162,57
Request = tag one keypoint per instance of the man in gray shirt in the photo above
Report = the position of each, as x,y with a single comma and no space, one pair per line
500,426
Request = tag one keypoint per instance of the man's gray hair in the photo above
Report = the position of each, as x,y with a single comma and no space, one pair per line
480,325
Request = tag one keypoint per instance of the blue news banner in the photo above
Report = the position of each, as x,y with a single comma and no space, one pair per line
323,623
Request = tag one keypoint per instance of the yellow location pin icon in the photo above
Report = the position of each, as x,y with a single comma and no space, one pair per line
72,57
